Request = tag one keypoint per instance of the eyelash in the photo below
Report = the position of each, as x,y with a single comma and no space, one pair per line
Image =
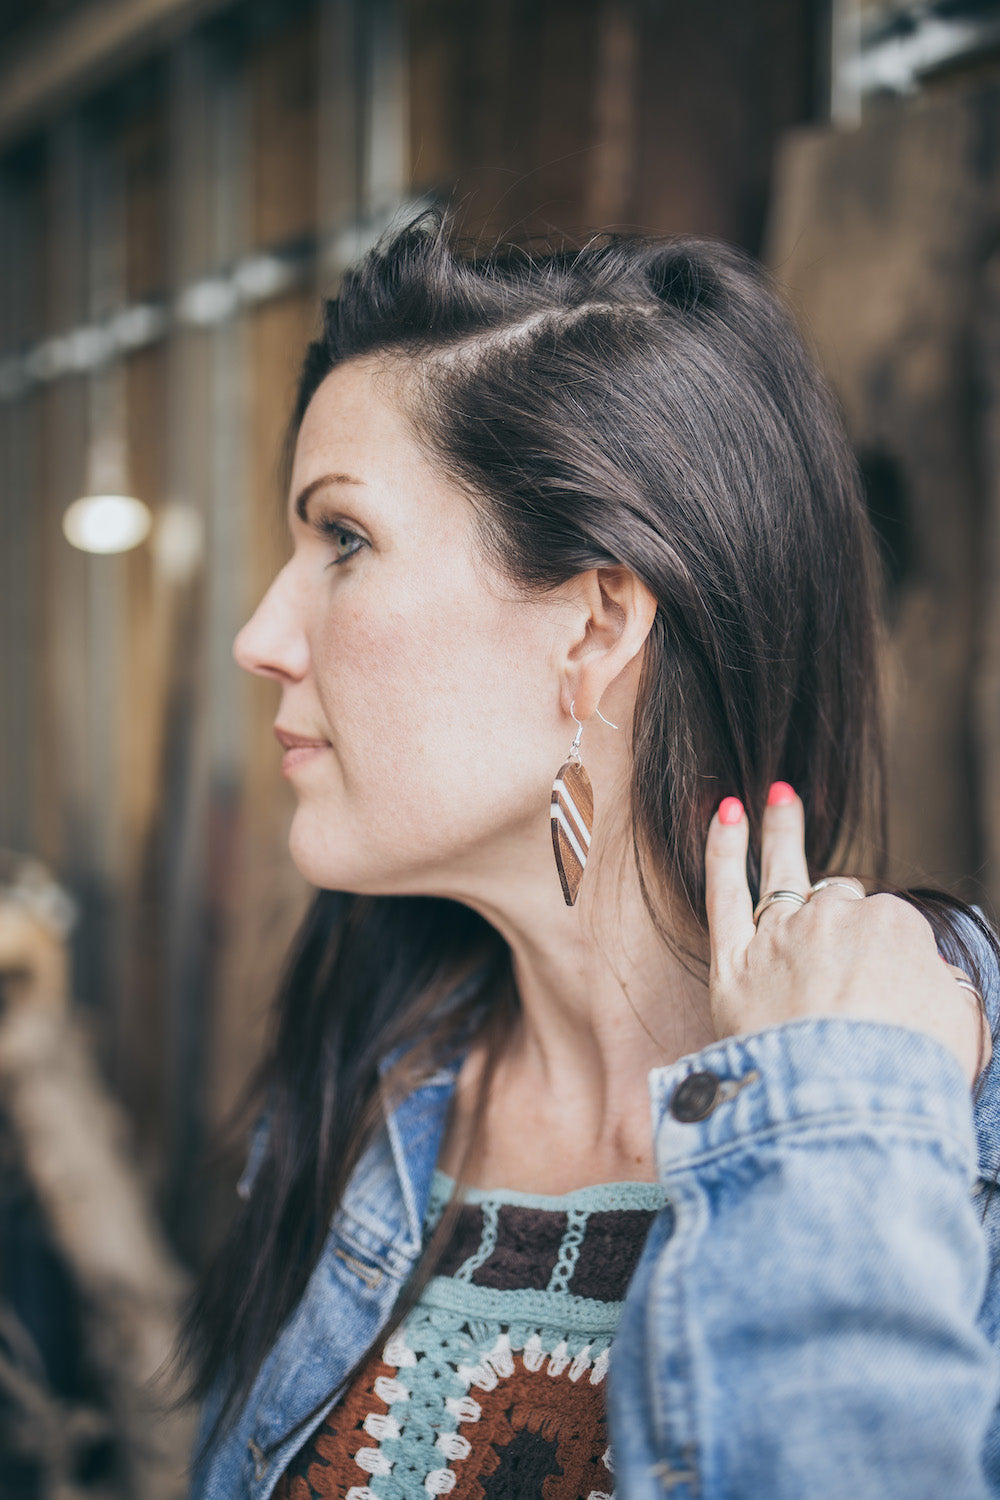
335,531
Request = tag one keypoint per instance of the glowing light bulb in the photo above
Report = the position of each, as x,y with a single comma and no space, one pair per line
106,523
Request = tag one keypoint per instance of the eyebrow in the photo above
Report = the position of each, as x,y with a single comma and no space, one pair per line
303,497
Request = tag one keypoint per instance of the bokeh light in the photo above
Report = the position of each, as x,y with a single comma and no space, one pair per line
106,523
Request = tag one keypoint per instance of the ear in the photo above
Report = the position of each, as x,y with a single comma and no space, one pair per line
616,612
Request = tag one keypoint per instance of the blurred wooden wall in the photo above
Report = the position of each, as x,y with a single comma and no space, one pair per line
171,208
574,115
884,238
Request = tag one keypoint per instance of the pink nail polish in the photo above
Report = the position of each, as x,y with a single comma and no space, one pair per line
780,794
730,810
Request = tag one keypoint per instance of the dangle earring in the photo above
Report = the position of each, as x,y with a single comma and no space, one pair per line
572,814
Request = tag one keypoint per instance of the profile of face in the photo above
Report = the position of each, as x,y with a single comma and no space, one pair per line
420,692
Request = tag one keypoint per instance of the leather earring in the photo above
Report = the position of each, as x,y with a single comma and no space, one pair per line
572,814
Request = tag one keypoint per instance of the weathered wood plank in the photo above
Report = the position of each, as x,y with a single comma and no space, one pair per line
878,236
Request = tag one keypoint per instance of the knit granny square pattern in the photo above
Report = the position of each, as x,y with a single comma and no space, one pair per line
493,1386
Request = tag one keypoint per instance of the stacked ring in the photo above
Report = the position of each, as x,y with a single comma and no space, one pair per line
831,880
826,883
967,984
771,897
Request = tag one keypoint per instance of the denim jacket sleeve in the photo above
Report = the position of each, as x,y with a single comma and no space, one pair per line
810,1317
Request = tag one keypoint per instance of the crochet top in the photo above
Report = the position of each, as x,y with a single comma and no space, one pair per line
493,1386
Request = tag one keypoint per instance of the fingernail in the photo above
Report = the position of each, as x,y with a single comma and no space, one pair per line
780,794
730,810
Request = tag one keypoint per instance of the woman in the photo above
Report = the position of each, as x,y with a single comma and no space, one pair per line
555,1087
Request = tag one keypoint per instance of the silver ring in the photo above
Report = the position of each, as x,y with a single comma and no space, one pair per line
771,897
967,984
831,880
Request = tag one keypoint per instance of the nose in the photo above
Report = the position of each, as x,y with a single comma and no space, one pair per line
272,643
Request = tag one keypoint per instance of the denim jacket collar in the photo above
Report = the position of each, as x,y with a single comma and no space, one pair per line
414,1130
372,1246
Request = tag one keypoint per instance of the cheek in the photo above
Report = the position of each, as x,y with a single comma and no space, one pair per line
428,706
378,682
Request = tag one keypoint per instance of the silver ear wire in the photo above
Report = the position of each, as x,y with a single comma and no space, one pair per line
574,749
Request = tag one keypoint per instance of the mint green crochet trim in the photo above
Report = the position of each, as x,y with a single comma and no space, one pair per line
523,1305
428,1329
569,1250
600,1198
487,1245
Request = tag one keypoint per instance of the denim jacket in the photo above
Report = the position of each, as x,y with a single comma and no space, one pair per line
816,1312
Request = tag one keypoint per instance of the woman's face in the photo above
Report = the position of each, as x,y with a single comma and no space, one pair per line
425,693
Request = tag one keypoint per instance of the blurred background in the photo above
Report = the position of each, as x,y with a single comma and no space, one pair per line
180,182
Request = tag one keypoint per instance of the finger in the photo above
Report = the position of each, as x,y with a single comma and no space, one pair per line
782,852
985,1050
971,992
727,895
985,1043
966,985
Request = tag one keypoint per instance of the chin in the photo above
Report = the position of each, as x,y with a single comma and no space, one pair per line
331,868
369,859
316,862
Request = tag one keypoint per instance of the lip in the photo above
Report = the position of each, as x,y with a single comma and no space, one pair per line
290,741
298,748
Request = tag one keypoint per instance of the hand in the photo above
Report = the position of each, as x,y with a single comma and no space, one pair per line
871,960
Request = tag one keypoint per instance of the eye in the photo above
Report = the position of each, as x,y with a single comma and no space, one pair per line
341,538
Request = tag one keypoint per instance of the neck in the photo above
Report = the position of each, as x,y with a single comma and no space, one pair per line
603,1000
602,994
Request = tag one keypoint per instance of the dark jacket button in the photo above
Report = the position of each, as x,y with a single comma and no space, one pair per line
695,1097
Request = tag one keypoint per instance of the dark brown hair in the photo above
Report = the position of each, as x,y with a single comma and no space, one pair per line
639,403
